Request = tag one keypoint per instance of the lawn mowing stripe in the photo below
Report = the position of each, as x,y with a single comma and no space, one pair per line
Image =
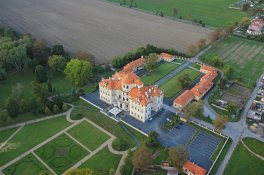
78,142
231,50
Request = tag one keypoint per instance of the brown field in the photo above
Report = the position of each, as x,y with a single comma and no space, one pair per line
103,29
237,95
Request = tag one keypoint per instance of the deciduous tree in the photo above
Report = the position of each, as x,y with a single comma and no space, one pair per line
41,75
201,44
178,156
78,72
152,140
150,62
142,158
219,122
57,63
194,109
184,80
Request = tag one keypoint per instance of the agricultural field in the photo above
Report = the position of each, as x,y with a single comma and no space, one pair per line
213,12
245,56
95,26
243,162
172,86
158,73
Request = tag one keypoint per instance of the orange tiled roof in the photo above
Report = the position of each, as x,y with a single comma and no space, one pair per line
118,78
195,169
206,68
130,66
142,95
166,55
184,98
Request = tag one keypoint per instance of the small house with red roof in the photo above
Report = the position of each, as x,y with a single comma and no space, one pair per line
166,57
193,169
256,27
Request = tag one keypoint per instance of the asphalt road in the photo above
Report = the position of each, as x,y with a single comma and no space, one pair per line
103,29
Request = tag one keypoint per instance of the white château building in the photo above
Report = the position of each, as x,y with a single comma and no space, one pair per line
126,91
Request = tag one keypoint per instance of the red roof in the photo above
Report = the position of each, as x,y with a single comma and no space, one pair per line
166,56
184,98
130,66
194,169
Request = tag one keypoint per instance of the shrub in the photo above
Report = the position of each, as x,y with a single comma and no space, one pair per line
120,145
56,109
64,107
47,111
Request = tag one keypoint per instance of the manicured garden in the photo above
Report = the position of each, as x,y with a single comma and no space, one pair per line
88,135
5,134
172,86
243,162
61,153
28,165
213,12
30,136
105,122
255,145
247,55
158,73
102,162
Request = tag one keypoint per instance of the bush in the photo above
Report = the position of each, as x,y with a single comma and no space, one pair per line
120,145
47,111
3,116
64,107
56,109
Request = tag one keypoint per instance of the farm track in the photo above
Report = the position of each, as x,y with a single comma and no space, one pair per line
103,29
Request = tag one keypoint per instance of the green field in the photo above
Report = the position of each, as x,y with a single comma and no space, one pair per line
102,162
172,87
213,12
61,153
243,162
88,135
158,73
245,56
30,136
28,165
255,145
6,133
25,77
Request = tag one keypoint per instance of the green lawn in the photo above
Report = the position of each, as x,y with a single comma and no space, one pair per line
28,165
61,153
196,66
30,136
221,157
102,162
243,162
213,12
5,134
172,87
178,61
158,73
88,135
105,122
245,56
25,77
255,145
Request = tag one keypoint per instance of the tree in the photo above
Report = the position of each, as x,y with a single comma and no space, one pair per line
201,44
244,23
13,52
116,62
215,61
178,156
47,111
78,72
41,75
152,140
57,63
3,116
245,6
40,94
194,109
40,52
150,62
12,107
219,122
214,36
56,109
191,50
175,12
85,56
57,50
184,80
142,158
228,71
3,73
64,107
80,171
231,108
